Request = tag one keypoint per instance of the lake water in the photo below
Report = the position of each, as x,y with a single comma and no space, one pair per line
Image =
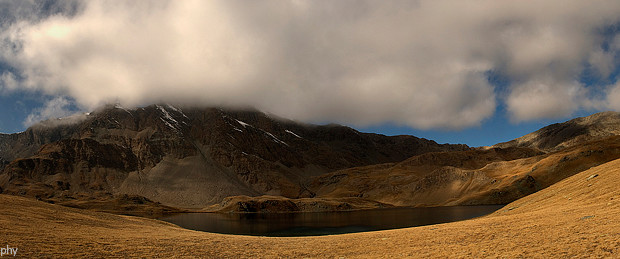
325,223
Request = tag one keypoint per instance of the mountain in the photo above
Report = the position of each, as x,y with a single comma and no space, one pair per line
162,158
495,175
27,143
571,133
473,177
186,157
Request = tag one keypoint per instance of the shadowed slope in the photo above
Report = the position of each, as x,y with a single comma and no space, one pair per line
190,157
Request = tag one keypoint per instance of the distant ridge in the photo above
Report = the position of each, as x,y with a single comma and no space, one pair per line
495,175
570,133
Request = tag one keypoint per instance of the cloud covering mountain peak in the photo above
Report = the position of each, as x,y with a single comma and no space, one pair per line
424,64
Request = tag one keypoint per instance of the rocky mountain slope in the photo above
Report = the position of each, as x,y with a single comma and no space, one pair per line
163,157
496,175
27,143
188,157
571,133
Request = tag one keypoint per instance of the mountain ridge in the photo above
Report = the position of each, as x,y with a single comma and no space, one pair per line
243,160
191,157
569,133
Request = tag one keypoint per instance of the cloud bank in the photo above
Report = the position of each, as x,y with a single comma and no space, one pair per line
422,63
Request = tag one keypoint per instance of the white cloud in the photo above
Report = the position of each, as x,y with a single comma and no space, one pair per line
53,109
544,98
613,97
8,82
417,63
603,62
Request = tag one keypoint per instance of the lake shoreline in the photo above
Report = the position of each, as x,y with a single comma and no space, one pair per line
325,223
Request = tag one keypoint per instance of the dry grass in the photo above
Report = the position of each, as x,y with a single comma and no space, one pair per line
575,217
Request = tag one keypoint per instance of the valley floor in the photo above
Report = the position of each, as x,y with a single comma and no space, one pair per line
579,216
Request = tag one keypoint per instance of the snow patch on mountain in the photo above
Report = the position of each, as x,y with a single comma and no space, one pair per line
243,123
168,119
177,110
292,133
274,138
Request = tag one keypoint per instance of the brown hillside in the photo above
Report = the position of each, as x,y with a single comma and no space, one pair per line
493,176
571,133
577,217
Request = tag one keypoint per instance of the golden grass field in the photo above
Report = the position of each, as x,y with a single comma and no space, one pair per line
577,217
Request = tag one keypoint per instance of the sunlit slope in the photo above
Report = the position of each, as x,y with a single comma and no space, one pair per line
570,133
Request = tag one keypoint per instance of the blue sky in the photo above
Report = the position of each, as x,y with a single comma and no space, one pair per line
495,130
18,106
475,72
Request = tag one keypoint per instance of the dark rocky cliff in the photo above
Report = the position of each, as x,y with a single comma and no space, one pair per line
188,157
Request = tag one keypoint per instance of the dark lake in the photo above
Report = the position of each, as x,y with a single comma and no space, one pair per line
325,223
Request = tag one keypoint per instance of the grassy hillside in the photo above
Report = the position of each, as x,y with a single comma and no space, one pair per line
579,216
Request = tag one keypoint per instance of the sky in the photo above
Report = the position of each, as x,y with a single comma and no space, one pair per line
476,72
